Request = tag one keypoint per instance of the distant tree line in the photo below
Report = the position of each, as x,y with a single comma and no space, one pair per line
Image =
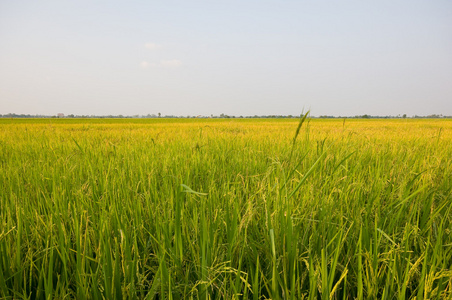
221,116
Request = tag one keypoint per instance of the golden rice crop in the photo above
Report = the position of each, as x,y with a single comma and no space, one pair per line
230,208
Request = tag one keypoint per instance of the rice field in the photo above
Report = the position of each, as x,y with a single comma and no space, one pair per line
225,209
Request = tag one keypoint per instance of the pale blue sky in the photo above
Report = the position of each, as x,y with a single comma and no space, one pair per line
232,57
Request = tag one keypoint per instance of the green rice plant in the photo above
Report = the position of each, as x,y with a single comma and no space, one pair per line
225,209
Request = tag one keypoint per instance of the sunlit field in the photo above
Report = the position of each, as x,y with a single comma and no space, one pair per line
225,208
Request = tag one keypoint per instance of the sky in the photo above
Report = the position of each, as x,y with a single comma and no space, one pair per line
340,58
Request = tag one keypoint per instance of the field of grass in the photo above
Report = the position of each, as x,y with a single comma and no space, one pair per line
224,209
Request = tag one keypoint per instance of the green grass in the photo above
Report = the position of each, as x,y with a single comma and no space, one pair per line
223,209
